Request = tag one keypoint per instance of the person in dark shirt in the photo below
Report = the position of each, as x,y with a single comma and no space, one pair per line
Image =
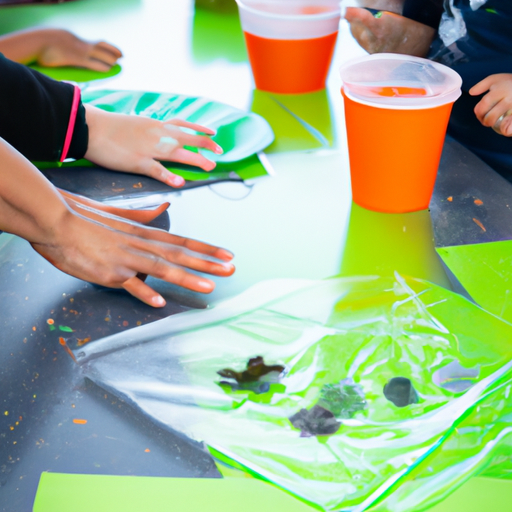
41,119
482,49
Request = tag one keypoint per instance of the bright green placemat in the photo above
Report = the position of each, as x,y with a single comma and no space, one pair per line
72,74
479,495
59,492
485,271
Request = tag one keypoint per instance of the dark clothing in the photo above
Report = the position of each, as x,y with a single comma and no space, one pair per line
35,114
427,12
485,50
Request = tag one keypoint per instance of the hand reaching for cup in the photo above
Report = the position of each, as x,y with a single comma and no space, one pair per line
495,107
388,32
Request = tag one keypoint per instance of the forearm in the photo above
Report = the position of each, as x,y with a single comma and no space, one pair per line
30,206
26,46
35,112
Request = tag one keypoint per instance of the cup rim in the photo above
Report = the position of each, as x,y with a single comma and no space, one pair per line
404,103
318,16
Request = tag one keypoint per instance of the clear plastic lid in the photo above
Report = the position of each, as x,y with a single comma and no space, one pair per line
290,19
399,81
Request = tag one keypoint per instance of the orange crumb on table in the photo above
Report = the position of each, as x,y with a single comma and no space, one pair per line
79,421
479,224
62,341
478,202
147,450
50,321
450,198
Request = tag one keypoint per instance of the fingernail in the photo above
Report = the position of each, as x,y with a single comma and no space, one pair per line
177,181
158,301
205,285
218,150
226,255
228,266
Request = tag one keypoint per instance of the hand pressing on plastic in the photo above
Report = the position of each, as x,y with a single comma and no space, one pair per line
137,144
388,32
55,47
495,107
98,246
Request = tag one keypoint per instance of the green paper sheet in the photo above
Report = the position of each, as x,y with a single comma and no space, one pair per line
77,74
59,492
479,495
485,271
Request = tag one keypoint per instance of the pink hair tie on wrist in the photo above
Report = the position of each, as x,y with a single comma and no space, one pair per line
71,124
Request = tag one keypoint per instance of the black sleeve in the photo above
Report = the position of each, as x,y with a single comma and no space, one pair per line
427,12
35,112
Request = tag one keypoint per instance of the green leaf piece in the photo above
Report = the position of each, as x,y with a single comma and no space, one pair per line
343,399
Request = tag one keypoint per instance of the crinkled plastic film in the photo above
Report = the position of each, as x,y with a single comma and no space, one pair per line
370,330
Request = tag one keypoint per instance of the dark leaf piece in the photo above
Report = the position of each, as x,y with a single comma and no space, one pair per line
343,399
257,377
316,421
257,371
401,392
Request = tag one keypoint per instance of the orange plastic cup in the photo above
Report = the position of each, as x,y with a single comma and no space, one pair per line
290,42
396,114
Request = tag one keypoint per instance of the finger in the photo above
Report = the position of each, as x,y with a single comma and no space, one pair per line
94,65
506,126
484,106
143,292
142,216
110,48
199,247
178,256
480,87
193,126
167,145
494,113
185,156
358,14
157,171
98,53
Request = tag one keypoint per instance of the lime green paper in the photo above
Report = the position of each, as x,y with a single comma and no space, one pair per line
79,75
479,495
485,271
59,492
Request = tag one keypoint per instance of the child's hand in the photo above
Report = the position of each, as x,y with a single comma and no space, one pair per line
107,250
389,32
55,47
495,107
66,49
136,144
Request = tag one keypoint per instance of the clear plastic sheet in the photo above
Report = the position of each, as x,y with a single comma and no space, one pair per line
364,331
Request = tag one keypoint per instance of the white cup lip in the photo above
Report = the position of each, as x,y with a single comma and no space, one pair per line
449,96
445,99
316,17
